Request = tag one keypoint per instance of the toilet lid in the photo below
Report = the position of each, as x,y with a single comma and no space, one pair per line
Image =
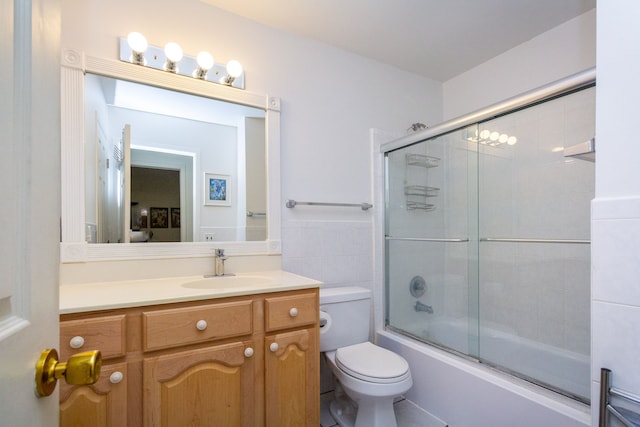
368,362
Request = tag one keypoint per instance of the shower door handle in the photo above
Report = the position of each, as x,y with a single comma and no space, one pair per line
518,240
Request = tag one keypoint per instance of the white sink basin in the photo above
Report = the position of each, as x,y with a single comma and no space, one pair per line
226,282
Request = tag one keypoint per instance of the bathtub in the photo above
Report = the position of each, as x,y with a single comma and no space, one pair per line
465,393
556,367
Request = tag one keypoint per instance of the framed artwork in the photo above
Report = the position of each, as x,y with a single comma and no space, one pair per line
159,217
175,217
217,190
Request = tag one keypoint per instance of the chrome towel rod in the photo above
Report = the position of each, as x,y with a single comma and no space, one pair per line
363,206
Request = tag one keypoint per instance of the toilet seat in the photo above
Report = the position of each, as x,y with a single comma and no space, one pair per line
368,362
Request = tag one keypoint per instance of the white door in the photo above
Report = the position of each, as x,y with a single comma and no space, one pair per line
102,183
126,184
30,200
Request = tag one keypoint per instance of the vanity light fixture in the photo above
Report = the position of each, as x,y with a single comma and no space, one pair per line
134,49
234,69
138,44
205,62
173,52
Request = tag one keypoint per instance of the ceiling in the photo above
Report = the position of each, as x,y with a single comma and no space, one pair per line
438,39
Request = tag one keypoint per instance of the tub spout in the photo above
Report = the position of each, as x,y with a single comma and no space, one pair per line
423,307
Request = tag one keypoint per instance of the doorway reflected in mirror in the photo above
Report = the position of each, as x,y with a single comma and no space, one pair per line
174,131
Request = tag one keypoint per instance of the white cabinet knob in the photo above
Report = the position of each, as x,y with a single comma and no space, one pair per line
76,342
116,377
201,325
248,352
293,312
274,347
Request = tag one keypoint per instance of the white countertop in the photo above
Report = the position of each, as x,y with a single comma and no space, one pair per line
109,295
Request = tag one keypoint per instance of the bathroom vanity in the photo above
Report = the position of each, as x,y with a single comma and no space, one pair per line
237,351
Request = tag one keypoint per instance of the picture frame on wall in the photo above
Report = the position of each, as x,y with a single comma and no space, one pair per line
159,217
217,190
175,217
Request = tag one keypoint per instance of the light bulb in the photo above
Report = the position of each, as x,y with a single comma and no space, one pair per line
494,136
485,134
234,68
512,140
137,42
205,60
173,51
503,138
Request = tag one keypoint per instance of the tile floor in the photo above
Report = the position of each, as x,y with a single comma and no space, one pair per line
407,414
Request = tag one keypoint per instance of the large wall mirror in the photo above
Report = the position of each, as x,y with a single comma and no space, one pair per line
157,165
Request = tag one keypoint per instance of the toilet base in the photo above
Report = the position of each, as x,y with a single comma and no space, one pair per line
343,412
371,412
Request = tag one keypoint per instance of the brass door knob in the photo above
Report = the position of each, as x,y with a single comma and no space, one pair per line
81,369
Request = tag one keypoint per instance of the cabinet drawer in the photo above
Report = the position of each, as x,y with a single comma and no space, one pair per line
106,334
190,325
291,311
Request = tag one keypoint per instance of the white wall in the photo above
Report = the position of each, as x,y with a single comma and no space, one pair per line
330,100
615,318
567,49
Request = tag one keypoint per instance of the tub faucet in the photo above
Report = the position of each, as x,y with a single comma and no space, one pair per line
423,307
219,258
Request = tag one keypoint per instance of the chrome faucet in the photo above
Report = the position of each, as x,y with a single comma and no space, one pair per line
423,307
219,258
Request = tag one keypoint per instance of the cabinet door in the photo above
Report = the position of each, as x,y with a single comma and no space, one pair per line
292,391
103,404
212,386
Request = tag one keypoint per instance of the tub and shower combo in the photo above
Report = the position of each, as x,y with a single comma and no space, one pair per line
487,259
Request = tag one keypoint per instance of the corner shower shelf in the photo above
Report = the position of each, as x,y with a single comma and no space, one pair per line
421,190
413,206
422,160
416,194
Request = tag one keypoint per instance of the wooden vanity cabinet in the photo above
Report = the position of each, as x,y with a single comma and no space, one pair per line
292,378
103,404
203,363
292,360
208,386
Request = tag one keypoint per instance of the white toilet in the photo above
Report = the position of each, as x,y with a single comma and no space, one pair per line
370,376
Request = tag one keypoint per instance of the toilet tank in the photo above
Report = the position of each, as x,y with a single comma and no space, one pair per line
344,316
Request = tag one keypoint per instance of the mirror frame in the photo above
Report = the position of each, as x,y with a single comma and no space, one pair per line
73,246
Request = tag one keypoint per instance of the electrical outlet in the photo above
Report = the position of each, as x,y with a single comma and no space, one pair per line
208,237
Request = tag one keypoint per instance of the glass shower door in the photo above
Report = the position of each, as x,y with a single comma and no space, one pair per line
431,251
487,242
534,253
